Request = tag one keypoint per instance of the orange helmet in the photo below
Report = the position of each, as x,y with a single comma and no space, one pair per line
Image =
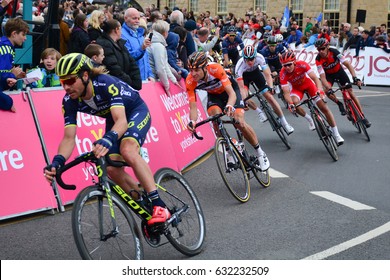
197,60
286,57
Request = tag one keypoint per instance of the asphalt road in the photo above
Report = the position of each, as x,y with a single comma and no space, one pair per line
287,221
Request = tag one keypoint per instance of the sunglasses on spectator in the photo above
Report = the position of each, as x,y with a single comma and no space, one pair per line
69,81
288,64
321,49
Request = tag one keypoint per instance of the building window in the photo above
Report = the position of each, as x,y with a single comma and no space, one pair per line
332,14
261,4
222,7
297,11
194,6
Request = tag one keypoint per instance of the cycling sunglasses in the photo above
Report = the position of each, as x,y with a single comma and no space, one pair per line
249,59
321,49
232,35
69,81
272,45
288,64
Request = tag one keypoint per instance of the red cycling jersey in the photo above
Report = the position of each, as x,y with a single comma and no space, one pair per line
331,63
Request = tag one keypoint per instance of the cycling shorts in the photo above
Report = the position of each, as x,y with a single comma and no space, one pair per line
221,99
340,75
310,87
256,77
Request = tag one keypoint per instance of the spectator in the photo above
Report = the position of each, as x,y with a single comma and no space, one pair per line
154,16
313,37
181,49
176,18
309,26
117,59
64,32
295,37
79,37
96,53
352,41
365,41
15,34
136,43
324,33
172,44
95,22
49,59
333,39
190,26
342,39
380,42
383,29
203,35
158,55
347,30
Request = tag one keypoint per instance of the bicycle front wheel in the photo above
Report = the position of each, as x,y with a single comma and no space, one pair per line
275,125
325,135
232,170
187,232
95,234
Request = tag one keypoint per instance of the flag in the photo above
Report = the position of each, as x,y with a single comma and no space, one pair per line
319,18
286,17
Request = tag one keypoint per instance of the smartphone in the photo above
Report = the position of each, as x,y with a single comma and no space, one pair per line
150,36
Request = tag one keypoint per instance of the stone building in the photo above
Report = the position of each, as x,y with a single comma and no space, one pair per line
376,12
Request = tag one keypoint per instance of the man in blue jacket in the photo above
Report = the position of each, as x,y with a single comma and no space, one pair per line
136,43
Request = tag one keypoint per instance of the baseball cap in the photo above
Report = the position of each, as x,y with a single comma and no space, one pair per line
268,27
256,26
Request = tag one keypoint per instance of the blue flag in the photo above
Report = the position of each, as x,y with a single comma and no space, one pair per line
286,17
319,18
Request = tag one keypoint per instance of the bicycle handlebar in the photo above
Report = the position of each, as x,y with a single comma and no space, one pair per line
88,156
209,119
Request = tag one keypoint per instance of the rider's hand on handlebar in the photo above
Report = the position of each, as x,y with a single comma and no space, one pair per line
104,144
292,108
50,171
191,125
229,110
357,81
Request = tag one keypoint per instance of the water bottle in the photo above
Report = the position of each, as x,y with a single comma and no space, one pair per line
277,89
239,145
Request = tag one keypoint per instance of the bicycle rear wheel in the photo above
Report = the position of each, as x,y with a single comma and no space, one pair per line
325,135
359,120
233,174
352,117
93,230
186,233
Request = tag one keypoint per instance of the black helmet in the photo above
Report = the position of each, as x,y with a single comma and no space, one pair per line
320,43
197,60
232,29
72,64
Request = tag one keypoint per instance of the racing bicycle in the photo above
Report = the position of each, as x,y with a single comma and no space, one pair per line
353,112
321,124
271,115
278,90
236,165
104,228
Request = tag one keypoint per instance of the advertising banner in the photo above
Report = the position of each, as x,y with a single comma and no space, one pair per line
24,190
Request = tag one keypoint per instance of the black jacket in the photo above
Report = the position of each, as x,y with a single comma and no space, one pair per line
119,62
78,41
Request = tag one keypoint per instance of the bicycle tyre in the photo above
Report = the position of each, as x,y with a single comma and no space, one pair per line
352,115
325,135
187,235
262,177
236,178
275,124
359,121
90,204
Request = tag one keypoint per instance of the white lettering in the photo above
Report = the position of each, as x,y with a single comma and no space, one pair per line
14,158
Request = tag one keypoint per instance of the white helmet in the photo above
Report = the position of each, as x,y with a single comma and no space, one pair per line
279,37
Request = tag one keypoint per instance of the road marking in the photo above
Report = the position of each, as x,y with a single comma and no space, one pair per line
344,201
372,95
350,243
276,174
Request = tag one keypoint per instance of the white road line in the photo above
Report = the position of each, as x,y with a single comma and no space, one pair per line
344,201
350,243
276,174
374,95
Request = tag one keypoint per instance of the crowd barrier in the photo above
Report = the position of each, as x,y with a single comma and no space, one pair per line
32,134
371,66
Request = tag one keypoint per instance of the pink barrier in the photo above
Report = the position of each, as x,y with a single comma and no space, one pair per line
23,188
168,144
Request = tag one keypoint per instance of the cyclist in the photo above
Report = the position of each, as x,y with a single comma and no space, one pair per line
300,77
280,40
223,95
229,47
91,91
329,67
247,71
271,54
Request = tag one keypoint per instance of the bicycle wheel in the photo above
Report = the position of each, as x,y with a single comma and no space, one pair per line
359,120
325,135
187,233
94,232
261,176
351,115
275,124
233,174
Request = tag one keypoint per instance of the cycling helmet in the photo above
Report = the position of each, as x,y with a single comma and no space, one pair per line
279,38
286,57
232,29
248,52
320,43
266,35
197,60
72,64
271,40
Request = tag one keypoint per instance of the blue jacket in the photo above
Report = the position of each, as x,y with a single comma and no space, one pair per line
361,44
134,46
295,38
7,54
172,43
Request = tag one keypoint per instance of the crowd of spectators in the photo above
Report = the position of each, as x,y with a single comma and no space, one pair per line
119,38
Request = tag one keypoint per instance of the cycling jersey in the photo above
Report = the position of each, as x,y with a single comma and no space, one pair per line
298,79
231,47
273,58
217,80
331,63
110,92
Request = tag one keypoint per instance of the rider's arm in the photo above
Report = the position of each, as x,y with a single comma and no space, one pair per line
268,76
286,93
232,95
350,68
68,141
317,81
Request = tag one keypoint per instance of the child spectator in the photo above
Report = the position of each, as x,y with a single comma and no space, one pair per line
6,103
96,53
49,58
